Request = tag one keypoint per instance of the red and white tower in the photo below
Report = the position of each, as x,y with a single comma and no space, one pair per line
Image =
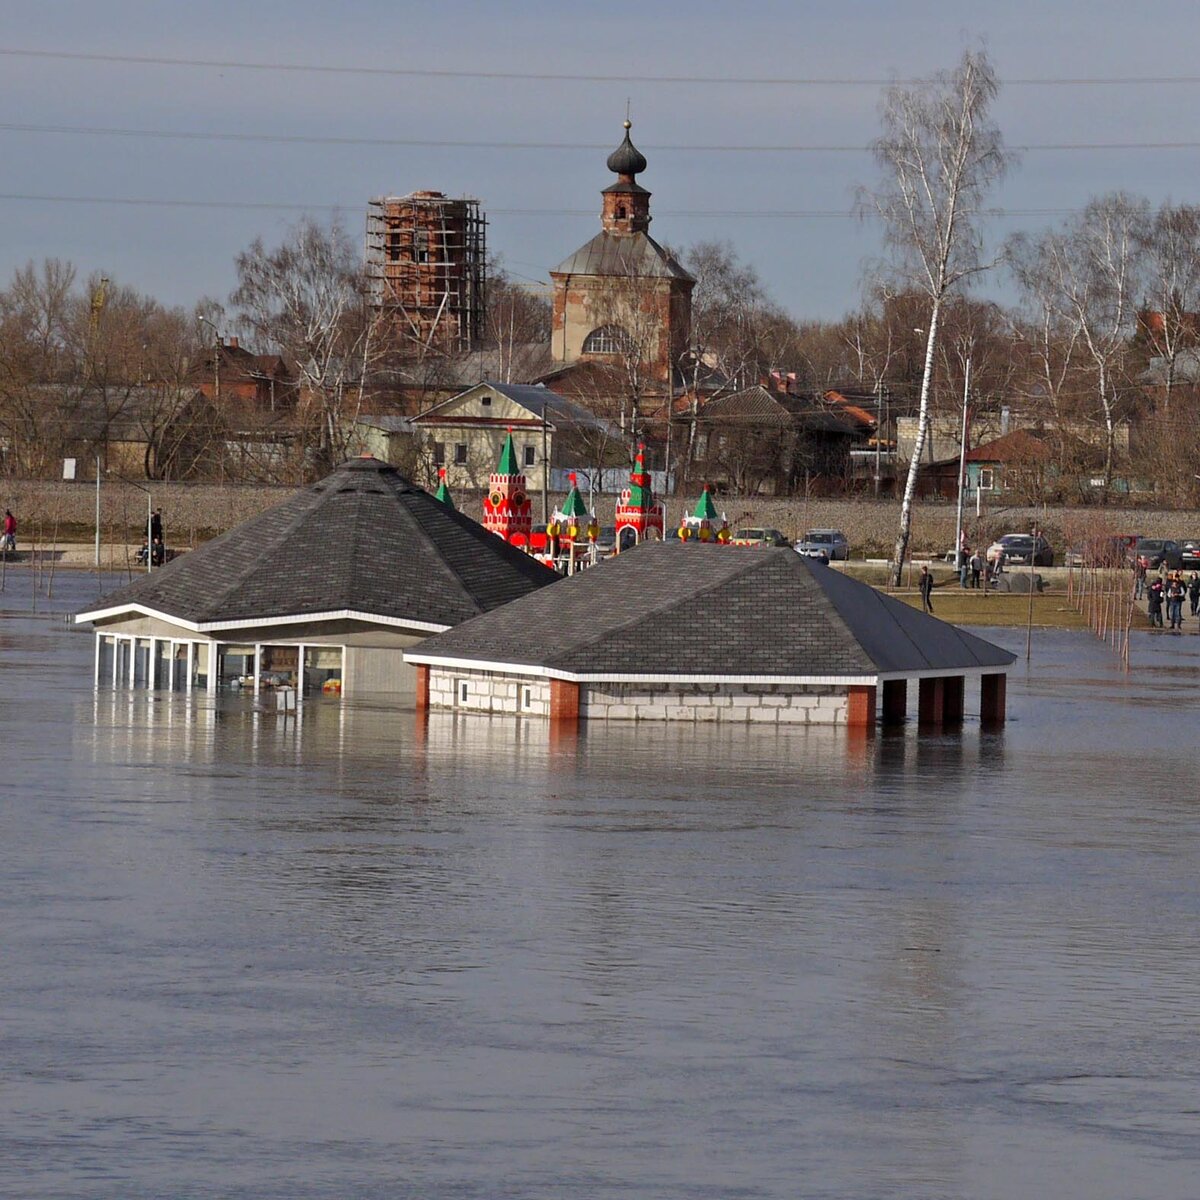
507,509
636,508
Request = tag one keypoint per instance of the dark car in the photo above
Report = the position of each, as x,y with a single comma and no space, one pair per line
1153,552
1022,548
1189,551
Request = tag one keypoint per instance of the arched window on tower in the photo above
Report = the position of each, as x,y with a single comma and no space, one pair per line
620,212
608,339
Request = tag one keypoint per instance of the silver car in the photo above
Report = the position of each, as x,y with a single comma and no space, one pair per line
824,543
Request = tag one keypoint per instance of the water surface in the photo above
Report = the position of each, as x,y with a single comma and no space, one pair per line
251,956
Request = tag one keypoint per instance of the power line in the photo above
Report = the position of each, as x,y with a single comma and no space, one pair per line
724,214
576,77
306,139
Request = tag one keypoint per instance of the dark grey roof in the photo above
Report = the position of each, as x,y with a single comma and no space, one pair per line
364,540
665,610
626,159
758,405
636,255
541,401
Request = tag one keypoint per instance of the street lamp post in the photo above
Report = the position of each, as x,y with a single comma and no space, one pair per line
218,343
149,517
962,468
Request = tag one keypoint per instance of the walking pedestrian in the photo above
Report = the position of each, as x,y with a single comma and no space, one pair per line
926,590
1139,578
976,568
1154,602
1194,592
10,530
1175,594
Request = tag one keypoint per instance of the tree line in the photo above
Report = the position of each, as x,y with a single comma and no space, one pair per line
1097,337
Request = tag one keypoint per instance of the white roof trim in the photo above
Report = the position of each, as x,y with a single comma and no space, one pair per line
99,614
471,664
217,627
416,656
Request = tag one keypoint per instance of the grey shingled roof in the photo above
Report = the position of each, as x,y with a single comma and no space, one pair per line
363,540
666,610
547,405
636,255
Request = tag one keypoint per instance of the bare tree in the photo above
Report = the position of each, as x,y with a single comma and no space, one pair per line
940,152
308,299
1082,282
1170,244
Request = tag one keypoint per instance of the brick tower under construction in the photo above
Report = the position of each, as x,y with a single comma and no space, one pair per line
426,257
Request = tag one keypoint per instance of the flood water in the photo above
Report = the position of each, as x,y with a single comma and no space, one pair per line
249,956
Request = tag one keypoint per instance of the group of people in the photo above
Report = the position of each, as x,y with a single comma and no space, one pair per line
156,548
972,565
1166,589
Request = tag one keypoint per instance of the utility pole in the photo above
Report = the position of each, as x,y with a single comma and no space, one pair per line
878,429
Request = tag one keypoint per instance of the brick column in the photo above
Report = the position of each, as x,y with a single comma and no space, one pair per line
992,696
564,702
895,701
931,701
954,691
860,707
422,688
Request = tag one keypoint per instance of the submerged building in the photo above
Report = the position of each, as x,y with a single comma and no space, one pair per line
689,632
326,590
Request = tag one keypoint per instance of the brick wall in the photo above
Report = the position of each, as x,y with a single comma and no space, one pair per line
761,703
489,691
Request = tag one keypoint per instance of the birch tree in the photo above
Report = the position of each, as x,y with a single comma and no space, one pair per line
1082,282
939,152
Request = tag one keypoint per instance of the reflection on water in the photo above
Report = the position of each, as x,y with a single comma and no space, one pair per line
345,953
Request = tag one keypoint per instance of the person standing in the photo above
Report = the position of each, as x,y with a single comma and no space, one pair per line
1154,602
964,559
1175,594
10,530
1194,592
1139,578
156,533
976,568
926,590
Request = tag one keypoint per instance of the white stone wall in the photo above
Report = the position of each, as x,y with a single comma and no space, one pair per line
489,691
762,703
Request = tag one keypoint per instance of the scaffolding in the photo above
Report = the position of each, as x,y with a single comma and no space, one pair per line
426,259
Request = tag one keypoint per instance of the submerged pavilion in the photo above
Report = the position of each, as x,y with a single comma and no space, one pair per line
698,633
326,590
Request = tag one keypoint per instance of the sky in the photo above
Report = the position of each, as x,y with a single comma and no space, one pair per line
214,196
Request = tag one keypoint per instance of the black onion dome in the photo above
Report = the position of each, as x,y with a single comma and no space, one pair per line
626,159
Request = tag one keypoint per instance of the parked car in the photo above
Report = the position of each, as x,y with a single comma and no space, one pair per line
824,543
1103,550
1022,548
1189,550
765,537
1153,552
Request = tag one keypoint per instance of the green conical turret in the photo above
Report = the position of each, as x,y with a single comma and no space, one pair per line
573,505
508,458
706,510
443,492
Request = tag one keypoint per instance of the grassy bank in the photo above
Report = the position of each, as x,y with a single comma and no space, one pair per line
967,606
